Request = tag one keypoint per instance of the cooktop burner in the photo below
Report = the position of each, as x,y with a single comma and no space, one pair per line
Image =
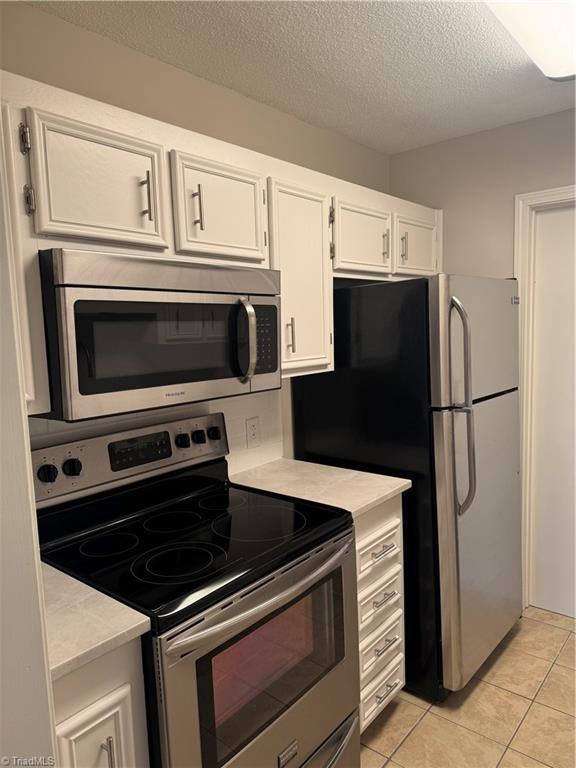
261,523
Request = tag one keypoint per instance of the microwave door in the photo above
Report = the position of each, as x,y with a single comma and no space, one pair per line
122,351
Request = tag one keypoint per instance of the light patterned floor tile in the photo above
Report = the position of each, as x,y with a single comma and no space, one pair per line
393,725
513,759
548,617
515,671
567,657
409,697
438,743
536,638
559,690
483,708
371,759
547,735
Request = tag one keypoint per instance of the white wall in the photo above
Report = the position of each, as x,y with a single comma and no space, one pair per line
474,179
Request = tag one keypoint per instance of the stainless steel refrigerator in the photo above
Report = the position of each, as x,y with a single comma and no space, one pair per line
425,386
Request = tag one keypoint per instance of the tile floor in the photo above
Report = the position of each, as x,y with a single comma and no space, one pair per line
518,712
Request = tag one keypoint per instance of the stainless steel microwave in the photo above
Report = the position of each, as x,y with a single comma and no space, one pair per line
128,333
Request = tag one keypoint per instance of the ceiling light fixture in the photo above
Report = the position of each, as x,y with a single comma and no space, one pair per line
546,30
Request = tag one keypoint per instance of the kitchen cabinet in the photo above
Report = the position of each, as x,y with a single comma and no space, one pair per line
89,182
219,210
300,248
416,245
361,237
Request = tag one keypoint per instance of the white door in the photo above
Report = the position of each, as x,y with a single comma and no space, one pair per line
415,246
553,412
93,183
219,209
300,249
361,238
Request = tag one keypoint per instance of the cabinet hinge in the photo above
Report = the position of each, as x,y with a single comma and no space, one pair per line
25,142
332,251
29,199
331,215
265,238
515,299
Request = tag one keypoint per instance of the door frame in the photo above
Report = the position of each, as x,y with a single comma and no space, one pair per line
527,206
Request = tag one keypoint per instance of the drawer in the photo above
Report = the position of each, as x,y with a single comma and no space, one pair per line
380,599
381,646
377,552
380,692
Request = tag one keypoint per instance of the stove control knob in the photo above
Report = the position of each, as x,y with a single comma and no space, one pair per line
47,473
72,467
198,436
214,433
182,440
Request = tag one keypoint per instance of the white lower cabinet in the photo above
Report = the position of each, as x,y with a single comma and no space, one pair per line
300,248
379,565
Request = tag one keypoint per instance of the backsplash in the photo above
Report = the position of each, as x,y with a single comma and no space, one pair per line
266,406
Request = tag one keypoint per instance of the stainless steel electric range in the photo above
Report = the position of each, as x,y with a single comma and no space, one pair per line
252,660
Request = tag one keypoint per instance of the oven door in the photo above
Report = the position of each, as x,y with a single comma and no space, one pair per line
265,679
126,350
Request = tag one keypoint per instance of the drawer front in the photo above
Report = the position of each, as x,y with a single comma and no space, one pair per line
380,692
380,599
381,646
379,551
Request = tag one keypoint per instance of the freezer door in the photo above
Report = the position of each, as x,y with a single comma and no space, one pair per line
482,312
479,550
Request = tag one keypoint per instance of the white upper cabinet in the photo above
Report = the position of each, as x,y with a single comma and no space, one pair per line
300,245
362,238
219,210
89,182
416,245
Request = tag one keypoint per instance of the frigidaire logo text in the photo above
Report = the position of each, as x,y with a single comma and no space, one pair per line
174,394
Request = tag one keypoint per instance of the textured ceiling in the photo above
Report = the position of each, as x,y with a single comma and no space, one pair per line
390,75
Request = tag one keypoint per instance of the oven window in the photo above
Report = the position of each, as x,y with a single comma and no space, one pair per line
133,345
246,684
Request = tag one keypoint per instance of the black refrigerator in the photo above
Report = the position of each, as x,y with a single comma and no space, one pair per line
425,387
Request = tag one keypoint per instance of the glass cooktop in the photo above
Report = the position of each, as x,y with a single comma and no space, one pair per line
176,558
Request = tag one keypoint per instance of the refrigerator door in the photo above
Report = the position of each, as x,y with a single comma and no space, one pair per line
479,549
482,312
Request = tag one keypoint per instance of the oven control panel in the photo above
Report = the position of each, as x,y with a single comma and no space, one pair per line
88,466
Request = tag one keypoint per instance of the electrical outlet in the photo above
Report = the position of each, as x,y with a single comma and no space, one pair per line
253,432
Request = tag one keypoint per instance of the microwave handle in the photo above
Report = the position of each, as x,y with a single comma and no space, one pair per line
252,345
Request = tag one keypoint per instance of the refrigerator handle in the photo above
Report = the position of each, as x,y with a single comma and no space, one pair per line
456,304
471,453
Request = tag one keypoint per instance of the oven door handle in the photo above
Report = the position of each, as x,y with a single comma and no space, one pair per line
186,644
252,345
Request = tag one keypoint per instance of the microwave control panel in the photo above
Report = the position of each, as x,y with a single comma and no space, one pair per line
63,472
266,338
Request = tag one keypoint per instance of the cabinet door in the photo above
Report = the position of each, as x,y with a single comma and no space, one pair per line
301,251
361,239
99,736
94,183
415,245
218,209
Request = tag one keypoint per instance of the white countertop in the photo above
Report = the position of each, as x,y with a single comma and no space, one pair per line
346,488
82,623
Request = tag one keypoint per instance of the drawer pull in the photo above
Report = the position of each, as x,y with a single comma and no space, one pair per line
388,643
377,604
389,688
108,747
376,556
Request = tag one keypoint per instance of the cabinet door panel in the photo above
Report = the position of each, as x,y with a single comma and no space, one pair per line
94,183
219,209
415,245
300,249
361,239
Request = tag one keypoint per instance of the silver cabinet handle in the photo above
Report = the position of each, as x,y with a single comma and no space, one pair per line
108,747
389,688
386,245
377,604
468,406
147,182
292,343
388,643
252,342
404,251
376,556
200,219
